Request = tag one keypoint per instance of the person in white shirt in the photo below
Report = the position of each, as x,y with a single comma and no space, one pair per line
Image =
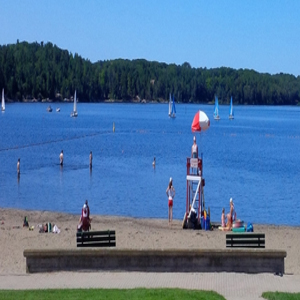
194,149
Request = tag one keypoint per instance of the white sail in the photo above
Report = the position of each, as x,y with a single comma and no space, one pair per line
231,114
170,105
74,112
216,110
3,101
173,111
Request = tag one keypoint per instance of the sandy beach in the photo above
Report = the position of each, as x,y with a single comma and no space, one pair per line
131,233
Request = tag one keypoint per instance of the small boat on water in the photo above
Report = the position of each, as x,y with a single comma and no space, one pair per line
216,110
57,109
231,114
3,101
49,108
74,112
172,109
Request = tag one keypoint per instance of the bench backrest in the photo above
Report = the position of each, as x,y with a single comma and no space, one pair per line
245,240
96,238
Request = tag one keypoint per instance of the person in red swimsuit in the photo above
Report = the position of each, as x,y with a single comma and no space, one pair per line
171,194
85,220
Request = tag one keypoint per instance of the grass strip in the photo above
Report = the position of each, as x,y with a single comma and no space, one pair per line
109,294
281,296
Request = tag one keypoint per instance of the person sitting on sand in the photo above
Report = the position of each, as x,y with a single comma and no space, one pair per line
88,209
84,221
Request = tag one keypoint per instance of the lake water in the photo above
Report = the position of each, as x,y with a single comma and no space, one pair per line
253,158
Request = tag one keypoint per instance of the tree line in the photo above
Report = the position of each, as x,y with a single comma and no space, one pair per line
41,71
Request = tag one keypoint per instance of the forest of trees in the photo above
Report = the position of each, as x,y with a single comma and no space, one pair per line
41,71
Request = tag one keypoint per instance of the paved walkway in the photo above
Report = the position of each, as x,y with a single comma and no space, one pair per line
233,286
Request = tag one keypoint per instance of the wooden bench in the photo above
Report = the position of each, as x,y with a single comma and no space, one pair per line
245,240
96,238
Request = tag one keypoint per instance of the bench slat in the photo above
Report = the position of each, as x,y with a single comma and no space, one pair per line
245,235
111,244
248,242
246,246
245,240
90,233
96,238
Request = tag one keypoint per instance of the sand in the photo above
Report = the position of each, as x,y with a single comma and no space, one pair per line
131,233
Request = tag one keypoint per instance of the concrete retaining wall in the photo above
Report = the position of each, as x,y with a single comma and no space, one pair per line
228,260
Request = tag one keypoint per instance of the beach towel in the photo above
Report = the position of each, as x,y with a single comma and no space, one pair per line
55,229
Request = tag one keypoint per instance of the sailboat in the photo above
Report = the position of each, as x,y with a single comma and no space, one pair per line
216,110
231,114
3,101
74,112
172,108
170,105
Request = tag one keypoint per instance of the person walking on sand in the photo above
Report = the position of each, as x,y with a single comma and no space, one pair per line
61,158
91,159
171,194
18,167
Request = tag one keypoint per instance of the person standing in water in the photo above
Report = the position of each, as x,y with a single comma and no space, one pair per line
91,159
18,167
154,162
61,158
171,194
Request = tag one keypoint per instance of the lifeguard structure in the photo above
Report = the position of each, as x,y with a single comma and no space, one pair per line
195,183
195,206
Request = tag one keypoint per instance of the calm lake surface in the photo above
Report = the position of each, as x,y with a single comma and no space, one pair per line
253,158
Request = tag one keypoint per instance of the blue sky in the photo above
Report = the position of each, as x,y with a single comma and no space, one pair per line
263,35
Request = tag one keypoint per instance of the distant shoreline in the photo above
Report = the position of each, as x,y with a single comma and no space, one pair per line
109,101
71,101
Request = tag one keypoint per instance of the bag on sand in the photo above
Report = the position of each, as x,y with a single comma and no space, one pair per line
249,227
